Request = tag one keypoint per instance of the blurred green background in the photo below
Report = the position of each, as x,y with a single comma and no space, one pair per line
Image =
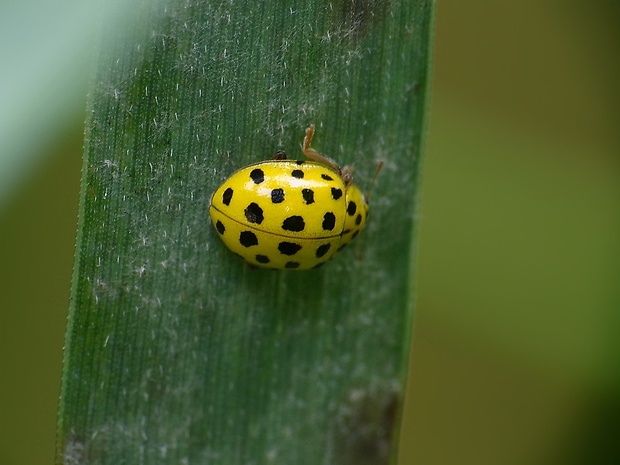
516,355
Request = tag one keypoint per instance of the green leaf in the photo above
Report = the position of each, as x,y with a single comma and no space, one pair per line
176,351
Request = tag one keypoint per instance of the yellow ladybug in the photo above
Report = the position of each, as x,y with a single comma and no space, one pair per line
289,214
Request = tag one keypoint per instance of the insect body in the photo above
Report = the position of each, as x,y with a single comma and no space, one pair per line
289,214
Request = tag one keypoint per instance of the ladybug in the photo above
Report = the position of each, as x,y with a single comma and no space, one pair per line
289,214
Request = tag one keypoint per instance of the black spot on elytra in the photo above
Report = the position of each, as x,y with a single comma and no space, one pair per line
288,248
292,265
248,239
327,177
300,162
358,220
277,195
336,193
294,223
227,196
220,227
351,208
299,174
308,195
257,175
262,259
329,221
322,250
254,213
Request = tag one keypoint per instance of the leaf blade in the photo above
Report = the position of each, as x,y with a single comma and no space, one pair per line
175,350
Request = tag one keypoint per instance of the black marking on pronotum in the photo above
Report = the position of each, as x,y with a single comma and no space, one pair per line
351,208
299,174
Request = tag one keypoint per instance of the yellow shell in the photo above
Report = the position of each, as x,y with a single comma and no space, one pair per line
287,214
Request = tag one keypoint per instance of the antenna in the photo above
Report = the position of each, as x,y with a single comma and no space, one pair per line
374,178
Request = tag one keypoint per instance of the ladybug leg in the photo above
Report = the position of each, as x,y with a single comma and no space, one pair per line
279,155
314,155
347,174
